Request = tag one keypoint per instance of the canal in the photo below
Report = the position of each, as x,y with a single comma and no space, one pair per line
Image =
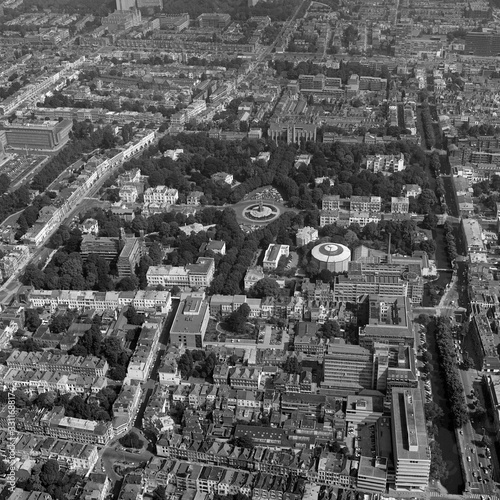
446,438
442,262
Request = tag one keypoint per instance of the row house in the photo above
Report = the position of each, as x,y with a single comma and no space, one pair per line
245,378
40,381
142,300
125,407
66,363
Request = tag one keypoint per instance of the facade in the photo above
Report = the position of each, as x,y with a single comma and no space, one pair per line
162,195
473,235
273,254
105,247
412,458
400,205
348,368
100,301
485,343
190,322
129,257
253,275
332,256
386,163
45,136
197,275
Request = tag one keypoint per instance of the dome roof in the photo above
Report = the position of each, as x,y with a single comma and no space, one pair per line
331,252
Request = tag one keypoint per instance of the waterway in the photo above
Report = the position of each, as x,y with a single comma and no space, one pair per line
446,438
442,262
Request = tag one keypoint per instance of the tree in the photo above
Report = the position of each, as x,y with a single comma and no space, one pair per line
266,287
237,319
131,440
50,473
330,329
244,442
155,253
433,411
31,320
127,284
292,365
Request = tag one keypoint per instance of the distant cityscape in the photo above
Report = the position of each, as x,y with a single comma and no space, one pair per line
249,250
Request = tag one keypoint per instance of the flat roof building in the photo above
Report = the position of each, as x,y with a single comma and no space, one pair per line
412,455
190,322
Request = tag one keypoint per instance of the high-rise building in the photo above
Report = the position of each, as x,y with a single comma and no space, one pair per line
48,135
348,367
129,257
103,246
482,44
412,457
125,4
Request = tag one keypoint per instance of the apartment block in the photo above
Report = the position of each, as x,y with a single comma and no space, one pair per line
190,322
412,458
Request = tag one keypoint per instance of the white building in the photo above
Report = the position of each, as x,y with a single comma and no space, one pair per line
162,195
273,254
386,163
128,194
305,235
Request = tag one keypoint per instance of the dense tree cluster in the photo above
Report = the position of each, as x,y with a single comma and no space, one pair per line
439,469
451,246
197,363
447,360
109,348
237,320
49,478
278,10
131,440
266,287
427,126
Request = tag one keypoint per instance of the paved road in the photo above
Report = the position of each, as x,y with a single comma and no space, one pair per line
111,456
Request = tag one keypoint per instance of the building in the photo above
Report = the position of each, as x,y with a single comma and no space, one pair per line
473,236
174,22
121,20
105,247
372,475
14,260
125,4
389,322
190,322
332,256
412,190
192,275
486,343
213,20
62,363
125,407
128,193
161,195
48,135
305,235
348,368
214,246
386,164
400,205
129,257
100,301
194,198
412,458
273,254
482,44
253,275
292,132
